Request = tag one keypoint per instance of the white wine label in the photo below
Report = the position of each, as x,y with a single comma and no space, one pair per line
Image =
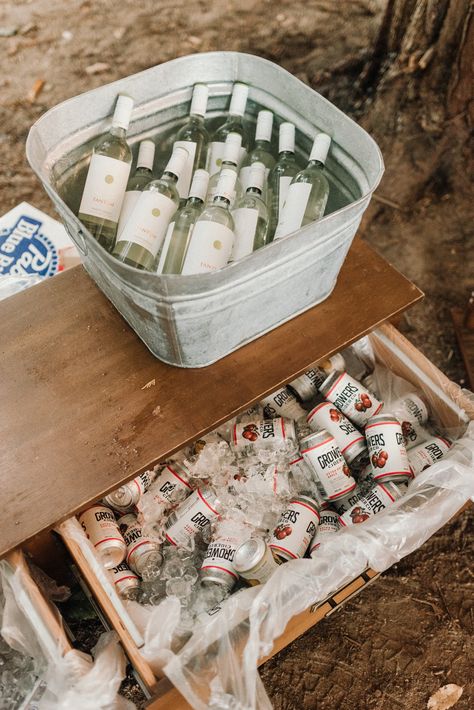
284,186
294,209
128,205
164,250
105,187
149,221
244,177
209,248
216,154
184,180
245,221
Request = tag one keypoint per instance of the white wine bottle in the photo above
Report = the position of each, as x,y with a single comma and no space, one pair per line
138,181
212,238
281,175
194,137
251,216
261,152
107,177
233,124
180,229
308,191
230,160
143,235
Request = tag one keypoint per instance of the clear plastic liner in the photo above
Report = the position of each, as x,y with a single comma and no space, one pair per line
71,678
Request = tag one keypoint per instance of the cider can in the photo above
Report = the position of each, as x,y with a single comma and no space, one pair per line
295,529
307,385
349,439
192,516
126,582
141,550
254,561
328,526
341,505
351,398
128,495
322,454
263,433
388,455
100,526
171,485
380,497
218,563
282,403
412,412
428,453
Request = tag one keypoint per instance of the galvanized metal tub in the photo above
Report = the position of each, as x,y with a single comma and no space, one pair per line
192,321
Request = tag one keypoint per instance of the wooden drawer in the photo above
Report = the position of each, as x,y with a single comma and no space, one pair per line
452,408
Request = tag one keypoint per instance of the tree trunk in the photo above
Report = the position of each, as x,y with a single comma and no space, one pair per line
418,95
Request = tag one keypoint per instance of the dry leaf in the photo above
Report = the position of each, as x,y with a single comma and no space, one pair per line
149,384
445,697
35,90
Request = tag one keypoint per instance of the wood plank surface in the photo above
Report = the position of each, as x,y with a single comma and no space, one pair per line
85,406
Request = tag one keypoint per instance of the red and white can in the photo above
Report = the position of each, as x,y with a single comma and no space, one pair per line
412,412
322,454
218,564
254,561
349,439
388,455
128,495
170,487
282,403
192,516
126,582
141,550
307,385
263,433
427,454
328,526
350,397
380,497
100,526
341,505
295,529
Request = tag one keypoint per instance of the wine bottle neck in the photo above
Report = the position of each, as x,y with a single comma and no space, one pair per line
287,154
171,177
221,201
316,164
193,200
118,131
252,190
262,144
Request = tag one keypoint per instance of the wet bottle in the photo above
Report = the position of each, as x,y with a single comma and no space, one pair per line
281,175
212,238
233,124
144,233
107,178
261,152
138,181
308,191
180,229
193,136
230,161
251,216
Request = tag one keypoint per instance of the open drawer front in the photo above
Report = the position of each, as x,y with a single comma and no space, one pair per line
403,359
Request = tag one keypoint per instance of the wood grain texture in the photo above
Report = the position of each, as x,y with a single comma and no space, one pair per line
77,417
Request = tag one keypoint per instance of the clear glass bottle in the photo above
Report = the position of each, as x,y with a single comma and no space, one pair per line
138,181
251,216
281,175
233,124
180,229
262,151
212,238
107,177
230,160
193,136
308,191
143,235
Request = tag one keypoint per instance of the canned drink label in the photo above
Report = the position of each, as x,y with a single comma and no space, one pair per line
100,526
330,467
327,416
261,572
342,505
410,408
372,503
388,455
263,432
190,518
170,486
220,554
143,481
427,454
105,187
123,572
295,530
281,403
308,384
328,526
133,535
356,402
414,434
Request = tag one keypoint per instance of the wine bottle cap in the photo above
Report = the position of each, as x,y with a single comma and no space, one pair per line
287,138
199,100
226,184
257,176
320,148
177,161
199,184
123,111
146,155
233,143
264,126
238,101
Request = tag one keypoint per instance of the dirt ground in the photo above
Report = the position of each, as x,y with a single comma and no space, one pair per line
411,632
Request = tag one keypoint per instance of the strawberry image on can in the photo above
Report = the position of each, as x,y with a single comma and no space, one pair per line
388,455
